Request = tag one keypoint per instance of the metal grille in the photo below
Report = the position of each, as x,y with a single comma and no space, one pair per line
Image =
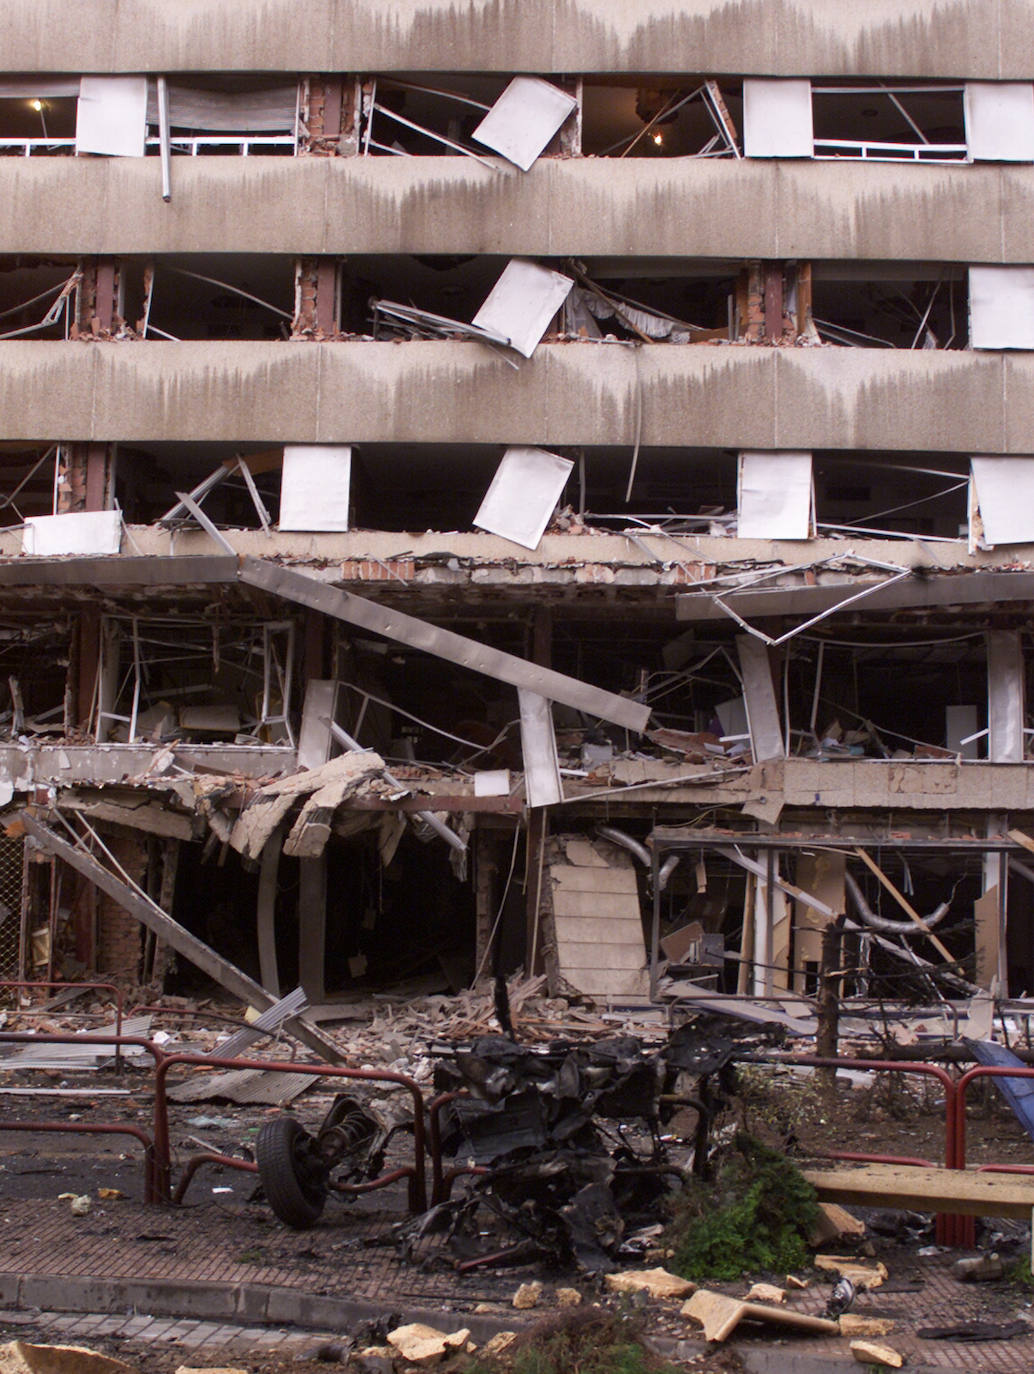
11,856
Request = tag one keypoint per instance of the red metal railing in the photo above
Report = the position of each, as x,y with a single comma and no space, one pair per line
155,1165
101,1128
415,1172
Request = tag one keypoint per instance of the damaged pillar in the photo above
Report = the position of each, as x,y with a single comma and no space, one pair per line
98,298
312,926
86,478
119,934
316,297
330,115
762,292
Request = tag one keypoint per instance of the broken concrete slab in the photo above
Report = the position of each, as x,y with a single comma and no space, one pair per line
719,1315
835,1223
21,1357
340,778
658,1283
854,1326
418,1344
868,1352
862,1275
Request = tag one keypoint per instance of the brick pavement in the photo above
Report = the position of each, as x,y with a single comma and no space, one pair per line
211,1276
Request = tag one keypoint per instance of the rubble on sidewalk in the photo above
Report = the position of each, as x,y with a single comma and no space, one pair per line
21,1357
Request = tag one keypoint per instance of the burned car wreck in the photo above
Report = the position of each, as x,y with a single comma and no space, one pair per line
560,1146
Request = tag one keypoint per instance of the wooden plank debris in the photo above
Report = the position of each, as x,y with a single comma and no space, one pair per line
961,1191
432,639
903,902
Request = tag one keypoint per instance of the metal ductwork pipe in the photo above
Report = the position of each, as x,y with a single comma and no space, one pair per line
629,842
886,926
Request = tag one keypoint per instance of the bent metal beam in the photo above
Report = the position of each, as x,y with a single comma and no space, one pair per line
150,914
419,634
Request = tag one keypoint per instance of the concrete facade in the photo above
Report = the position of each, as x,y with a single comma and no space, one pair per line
183,700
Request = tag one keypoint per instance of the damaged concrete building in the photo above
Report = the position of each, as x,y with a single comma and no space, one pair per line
461,512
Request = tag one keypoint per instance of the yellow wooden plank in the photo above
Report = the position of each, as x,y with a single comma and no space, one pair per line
928,1190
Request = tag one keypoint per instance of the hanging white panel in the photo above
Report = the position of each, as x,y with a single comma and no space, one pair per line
775,496
777,119
525,489
766,730
524,119
522,303
542,785
1005,696
112,115
79,532
1001,307
315,487
1002,490
999,121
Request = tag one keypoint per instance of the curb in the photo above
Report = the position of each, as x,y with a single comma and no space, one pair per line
254,1304
245,1304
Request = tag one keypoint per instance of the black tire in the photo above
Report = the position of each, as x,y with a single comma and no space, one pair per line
293,1188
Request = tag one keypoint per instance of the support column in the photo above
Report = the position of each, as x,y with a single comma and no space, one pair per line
315,297
538,818
821,874
98,297
86,478
312,926
330,115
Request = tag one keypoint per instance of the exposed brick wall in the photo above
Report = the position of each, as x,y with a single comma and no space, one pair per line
119,938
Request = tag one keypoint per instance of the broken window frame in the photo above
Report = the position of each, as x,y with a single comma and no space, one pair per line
724,142
275,640
867,150
371,107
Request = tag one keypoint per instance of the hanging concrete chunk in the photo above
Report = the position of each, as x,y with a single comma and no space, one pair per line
526,487
522,303
524,118
337,779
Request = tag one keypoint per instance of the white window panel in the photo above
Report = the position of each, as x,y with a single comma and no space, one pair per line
1000,121
523,495
112,115
775,496
522,303
524,119
80,532
777,120
315,487
1001,307
1002,490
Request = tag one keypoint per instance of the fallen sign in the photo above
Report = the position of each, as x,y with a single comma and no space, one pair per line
719,1315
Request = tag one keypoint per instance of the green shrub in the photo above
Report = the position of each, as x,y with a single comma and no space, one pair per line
756,1216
